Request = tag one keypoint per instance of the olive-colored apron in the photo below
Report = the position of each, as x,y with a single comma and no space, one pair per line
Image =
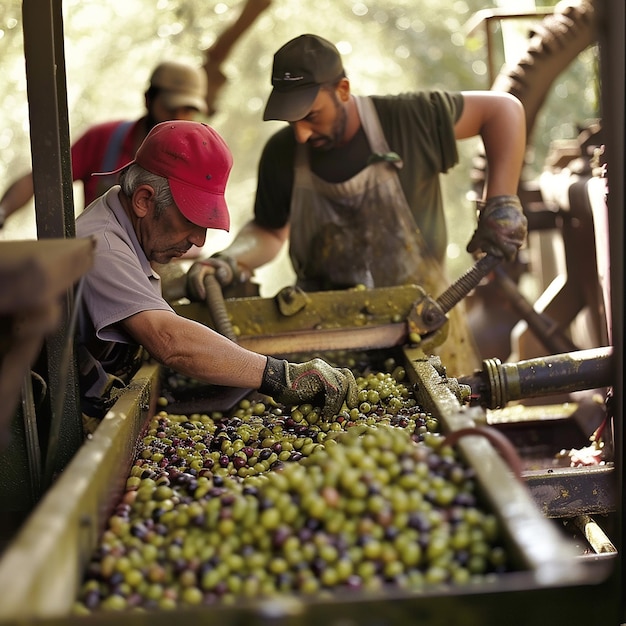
361,231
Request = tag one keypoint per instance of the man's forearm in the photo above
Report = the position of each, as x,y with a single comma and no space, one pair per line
255,246
504,138
195,350
17,195
500,121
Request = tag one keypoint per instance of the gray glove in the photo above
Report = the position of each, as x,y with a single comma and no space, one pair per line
314,381
502,228
225,269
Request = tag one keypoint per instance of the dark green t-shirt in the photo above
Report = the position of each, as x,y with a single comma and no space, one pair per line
417,126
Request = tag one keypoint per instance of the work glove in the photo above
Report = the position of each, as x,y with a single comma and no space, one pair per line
315,382
225,268
502,228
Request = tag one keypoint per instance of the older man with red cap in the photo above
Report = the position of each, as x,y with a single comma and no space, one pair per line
167,197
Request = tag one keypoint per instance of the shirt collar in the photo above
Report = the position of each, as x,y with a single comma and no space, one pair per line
112,199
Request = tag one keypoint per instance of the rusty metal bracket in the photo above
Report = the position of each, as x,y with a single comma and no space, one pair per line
428,315
291,300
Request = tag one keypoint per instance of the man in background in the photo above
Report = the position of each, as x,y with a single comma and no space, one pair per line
176,91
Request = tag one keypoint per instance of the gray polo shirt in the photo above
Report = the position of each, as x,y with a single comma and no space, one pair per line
121,283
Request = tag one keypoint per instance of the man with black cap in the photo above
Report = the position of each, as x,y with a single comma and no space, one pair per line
353,181
167,197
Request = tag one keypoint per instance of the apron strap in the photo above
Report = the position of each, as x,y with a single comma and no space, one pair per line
373,130
111,155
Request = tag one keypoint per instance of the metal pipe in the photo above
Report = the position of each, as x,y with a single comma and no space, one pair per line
596,537
499,383
31,435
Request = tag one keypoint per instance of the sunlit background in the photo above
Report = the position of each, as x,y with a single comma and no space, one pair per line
388,46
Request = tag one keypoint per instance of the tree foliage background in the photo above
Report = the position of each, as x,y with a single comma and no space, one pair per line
388,46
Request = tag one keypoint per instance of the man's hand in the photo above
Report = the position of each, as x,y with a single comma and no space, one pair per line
222,266
502,228
311,382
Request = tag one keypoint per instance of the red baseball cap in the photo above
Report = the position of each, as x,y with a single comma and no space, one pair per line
196,162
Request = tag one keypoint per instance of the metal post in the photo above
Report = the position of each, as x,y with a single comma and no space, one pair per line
50,148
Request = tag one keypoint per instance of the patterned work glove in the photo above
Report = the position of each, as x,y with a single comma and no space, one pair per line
225,268
502,228
315,381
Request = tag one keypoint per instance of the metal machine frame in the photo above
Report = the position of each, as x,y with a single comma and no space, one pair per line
596,598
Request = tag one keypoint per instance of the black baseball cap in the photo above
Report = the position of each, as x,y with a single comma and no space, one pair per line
301,66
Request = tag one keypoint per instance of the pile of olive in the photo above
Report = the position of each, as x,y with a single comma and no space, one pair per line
271,500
